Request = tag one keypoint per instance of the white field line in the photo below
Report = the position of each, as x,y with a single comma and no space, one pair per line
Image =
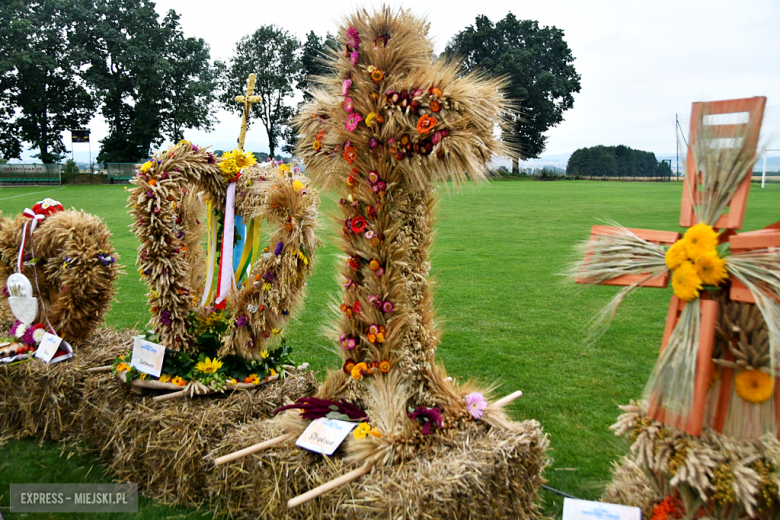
32,193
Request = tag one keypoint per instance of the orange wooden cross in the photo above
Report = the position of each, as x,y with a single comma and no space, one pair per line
704,125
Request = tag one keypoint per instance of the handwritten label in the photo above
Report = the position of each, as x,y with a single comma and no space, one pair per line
48,347
325,435
574,509
147,357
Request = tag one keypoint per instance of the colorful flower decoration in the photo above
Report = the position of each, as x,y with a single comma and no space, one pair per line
47,207
380,42
348,366
347,342
425,124
429,417
353,38
358,225
376,333
352,122
476,404
695,262
384,367
349,105
354,262
361,432
359,370
253,379
435,106
354,56
350,154
377,76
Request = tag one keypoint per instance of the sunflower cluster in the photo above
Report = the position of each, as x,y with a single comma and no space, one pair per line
233,162
695,262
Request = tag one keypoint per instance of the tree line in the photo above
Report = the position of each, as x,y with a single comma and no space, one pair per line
61,61
616,161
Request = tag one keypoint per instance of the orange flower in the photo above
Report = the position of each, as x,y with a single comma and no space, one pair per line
374,96
435,106
350,154
321,135
350,181
179,381
425,123
435,91
380,118
152,182
316,144
374,264
122,367
384,366
377,76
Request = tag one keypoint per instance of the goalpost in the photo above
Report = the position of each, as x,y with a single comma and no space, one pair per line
763,170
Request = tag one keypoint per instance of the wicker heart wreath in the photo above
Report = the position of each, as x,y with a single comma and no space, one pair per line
259,288
68,257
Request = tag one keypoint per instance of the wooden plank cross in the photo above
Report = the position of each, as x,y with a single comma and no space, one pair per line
707,120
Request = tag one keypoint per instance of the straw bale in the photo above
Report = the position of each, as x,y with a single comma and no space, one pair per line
473,472
162,445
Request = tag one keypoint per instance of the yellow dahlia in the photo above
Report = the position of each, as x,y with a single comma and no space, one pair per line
676,255
686,282
700,239
754,386
209,366
711,268
362,431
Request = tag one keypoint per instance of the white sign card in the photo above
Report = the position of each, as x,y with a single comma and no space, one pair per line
48,347
574,509
147,356
325,435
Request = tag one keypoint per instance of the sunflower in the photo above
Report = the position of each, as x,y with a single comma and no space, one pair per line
209,366
754,386
244,159
711,268
700,239
676,255
179,381
362,431
164,378
686,282
252,378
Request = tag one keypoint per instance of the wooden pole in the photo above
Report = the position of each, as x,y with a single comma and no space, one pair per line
333,484
252,449
99,370
508,399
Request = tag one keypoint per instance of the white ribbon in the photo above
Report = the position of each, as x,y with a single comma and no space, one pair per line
34,218
227,276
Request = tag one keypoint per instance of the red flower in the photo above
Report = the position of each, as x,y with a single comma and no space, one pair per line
357,307
354,262
425,123
358,225
350,153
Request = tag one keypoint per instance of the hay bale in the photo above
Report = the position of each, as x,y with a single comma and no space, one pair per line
475,472
41,401
162,445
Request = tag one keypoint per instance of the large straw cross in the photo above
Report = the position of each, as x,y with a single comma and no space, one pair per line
636,258
247,101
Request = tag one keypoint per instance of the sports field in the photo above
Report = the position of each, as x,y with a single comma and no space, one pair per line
507,313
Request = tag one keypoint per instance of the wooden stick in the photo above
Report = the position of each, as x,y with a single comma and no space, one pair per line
508,399
172,395
252,449
99,370
333,484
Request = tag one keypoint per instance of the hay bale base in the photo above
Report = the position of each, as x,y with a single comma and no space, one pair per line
478,472
41,401
162,445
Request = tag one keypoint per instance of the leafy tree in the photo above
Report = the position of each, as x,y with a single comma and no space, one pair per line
152,81
615,161
42,85
539,65
274,56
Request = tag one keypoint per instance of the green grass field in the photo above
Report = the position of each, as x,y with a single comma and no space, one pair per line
507,313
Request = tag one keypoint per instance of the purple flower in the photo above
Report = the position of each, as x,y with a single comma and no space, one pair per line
387,306
380,272
5,292
278,250
165,318
476,404
27,337
269,276
241,321
354,56
353,37
194,148
429,416
373,143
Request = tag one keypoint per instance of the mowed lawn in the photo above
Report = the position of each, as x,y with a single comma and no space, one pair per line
508,314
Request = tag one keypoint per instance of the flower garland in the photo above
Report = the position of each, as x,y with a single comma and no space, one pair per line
164,205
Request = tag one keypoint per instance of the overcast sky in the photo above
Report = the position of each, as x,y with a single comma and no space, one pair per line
640,61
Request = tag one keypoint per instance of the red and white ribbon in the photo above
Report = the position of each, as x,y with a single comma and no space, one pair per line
34,218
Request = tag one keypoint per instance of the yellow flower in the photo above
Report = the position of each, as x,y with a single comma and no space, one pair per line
276,331
209,366
229,167
145,166
298,186
357,369
302,257
266,286
252,378
264,354
284,168
179,381
362,431
676,255
143,376
271,372
686,282
700,239
754,386
231,381
165,378
711,268
245,159
122,367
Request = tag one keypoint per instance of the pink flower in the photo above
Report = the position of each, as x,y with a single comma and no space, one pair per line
353,57
373,176
476,404
373,143
436,137
353,38
346,86
388,306
352,121
348,105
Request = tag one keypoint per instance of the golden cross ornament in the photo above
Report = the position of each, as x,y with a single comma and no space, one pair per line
247,100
